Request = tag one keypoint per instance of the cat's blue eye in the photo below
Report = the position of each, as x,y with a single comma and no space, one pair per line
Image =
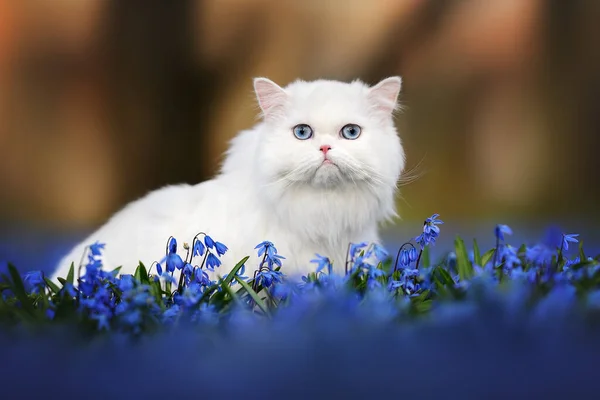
350,131
303,132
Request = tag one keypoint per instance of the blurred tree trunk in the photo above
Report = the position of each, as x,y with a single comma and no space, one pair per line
159,97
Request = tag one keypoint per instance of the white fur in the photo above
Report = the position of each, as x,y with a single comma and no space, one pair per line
274,187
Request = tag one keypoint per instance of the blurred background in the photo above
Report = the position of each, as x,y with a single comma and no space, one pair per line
102,101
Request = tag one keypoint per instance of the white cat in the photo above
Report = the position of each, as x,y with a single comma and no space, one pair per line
320,171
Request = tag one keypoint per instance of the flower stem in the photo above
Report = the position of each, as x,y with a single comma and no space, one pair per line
418,259
496,252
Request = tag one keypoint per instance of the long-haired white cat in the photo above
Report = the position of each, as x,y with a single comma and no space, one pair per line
318,172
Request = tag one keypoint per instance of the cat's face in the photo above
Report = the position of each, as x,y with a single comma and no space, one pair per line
326,134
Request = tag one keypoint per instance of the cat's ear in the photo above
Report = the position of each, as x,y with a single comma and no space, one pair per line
385,94
271,97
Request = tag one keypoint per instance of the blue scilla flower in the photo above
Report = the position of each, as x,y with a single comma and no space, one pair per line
509,255
274,261
539,254
212,262
502,230
173,262
172,245
519,274
170,313
574,261
191,296
380,253
267,247
201,277
34,281
355,248
373,272
322,262
404,258
569,238
198,249
430,231
96,248
220,248
209,242
167,277
126,282
430,226
412,254
69,290
267,277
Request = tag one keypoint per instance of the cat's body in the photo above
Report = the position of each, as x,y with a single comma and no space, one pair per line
309,195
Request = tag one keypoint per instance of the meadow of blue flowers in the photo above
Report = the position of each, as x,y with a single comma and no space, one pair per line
509,321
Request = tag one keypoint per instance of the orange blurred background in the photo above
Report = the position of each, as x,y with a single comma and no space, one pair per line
102,101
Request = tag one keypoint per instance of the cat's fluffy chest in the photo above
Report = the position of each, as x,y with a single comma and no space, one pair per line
140,231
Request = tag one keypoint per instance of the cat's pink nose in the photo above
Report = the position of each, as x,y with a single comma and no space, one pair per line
325,148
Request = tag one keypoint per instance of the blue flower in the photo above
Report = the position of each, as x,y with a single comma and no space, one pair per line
202,278
355,248
96,248
502,230
374,272
171,312
34,281
322,262
69,289
209,242
172,246
569,238
267,277
159,269
126,282
267,247
220,248
404,258
212,262
187,270
274,260
198,248
430,225
174,262
380,252
412,254
168,277
509,254
430,231
574,261
539,254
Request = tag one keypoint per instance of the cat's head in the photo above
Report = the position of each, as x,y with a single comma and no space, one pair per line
327,134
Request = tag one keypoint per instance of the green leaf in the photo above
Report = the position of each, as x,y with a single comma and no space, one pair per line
442,276
63,281
234,271
425,257
18,289
52,285
227,289
582,256
463,265
253,294
476,253
141,274
486,257
71,274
